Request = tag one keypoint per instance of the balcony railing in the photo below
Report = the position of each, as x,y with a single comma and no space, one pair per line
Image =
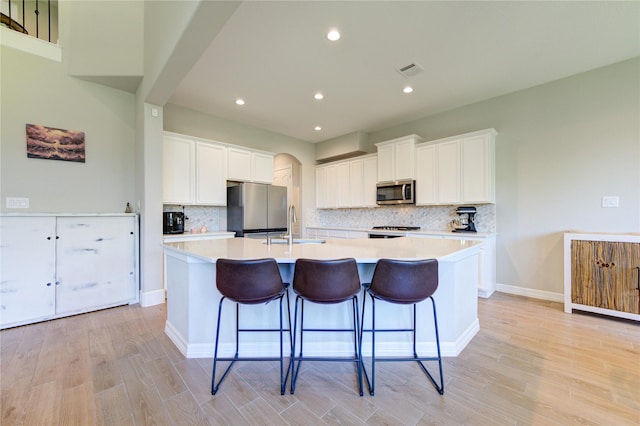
36,18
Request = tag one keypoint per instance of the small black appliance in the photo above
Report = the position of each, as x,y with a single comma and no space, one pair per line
173,223
465,221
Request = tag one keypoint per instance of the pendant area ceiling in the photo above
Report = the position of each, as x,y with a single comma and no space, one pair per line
275,56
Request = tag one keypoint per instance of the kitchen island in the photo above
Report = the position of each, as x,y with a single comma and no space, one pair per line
192,296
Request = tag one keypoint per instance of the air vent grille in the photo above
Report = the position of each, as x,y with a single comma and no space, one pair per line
410,70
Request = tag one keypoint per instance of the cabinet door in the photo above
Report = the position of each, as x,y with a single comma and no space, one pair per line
95,263
332,186
27,277
211,176
239,163
356,183
321,187
449,172
477,170
403,159
426,175
605,275
386,161
344,187
178,170
262,167
370,178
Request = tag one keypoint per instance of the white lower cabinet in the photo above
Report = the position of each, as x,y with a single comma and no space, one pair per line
54,266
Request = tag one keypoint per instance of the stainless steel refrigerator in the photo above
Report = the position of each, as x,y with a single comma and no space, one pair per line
256,209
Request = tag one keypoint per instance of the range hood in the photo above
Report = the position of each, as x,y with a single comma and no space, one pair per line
345,146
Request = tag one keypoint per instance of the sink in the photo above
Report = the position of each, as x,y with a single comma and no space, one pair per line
296,241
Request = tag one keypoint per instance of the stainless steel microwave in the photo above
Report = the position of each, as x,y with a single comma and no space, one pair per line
396,192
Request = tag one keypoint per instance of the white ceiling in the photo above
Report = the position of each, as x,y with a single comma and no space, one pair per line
275,56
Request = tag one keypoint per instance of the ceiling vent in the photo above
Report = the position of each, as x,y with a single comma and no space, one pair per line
410,70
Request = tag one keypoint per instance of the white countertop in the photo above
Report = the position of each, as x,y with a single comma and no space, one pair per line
197,235
363,250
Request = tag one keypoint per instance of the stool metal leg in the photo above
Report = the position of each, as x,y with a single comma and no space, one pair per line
371,381
295,367
284,374
214,386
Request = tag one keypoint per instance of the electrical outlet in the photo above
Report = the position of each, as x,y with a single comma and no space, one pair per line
17,203
610,201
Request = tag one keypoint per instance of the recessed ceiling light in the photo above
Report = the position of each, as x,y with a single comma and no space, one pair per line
408,89
239,101
333,35
317,128
318,96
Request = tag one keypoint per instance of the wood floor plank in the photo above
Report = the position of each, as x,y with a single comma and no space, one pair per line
109,404
530,364
44,404
77,406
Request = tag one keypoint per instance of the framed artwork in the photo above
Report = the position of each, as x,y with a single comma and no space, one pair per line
55,144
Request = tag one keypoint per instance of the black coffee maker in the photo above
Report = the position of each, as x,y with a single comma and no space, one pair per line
465,221
173,223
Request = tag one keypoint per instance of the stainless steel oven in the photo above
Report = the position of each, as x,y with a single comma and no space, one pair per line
396,192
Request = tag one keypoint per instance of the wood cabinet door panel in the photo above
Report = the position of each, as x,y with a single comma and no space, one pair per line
605,275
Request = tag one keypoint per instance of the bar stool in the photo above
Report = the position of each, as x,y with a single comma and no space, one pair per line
250,282
325,282
403,282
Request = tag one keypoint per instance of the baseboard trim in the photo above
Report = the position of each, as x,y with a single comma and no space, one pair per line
529,292
151,298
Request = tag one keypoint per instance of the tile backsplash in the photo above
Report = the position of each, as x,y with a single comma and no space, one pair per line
214,218
435,218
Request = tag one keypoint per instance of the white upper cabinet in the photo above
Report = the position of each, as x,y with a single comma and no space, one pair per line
448,176
247,165
194,171
347,183
321,187
211,174
396,158
478,168
370,178
426,175
457,170
178,170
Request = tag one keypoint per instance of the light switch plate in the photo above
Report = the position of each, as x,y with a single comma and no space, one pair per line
17,203
610,201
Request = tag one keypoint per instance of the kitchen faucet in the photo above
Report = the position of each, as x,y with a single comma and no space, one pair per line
291,219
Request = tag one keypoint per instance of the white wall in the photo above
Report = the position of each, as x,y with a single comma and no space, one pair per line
38,91
560,148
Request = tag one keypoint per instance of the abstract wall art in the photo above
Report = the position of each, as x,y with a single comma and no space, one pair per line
55,144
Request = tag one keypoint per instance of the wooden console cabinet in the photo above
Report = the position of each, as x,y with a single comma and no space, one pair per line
602,274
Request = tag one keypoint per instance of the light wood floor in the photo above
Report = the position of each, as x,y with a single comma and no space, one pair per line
530,364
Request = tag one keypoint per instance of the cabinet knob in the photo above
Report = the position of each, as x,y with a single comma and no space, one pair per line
48,284
48,238
131,232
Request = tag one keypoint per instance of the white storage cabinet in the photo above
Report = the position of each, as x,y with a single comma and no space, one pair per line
194,171
54,266
247,165
457,170
347,183
396,158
